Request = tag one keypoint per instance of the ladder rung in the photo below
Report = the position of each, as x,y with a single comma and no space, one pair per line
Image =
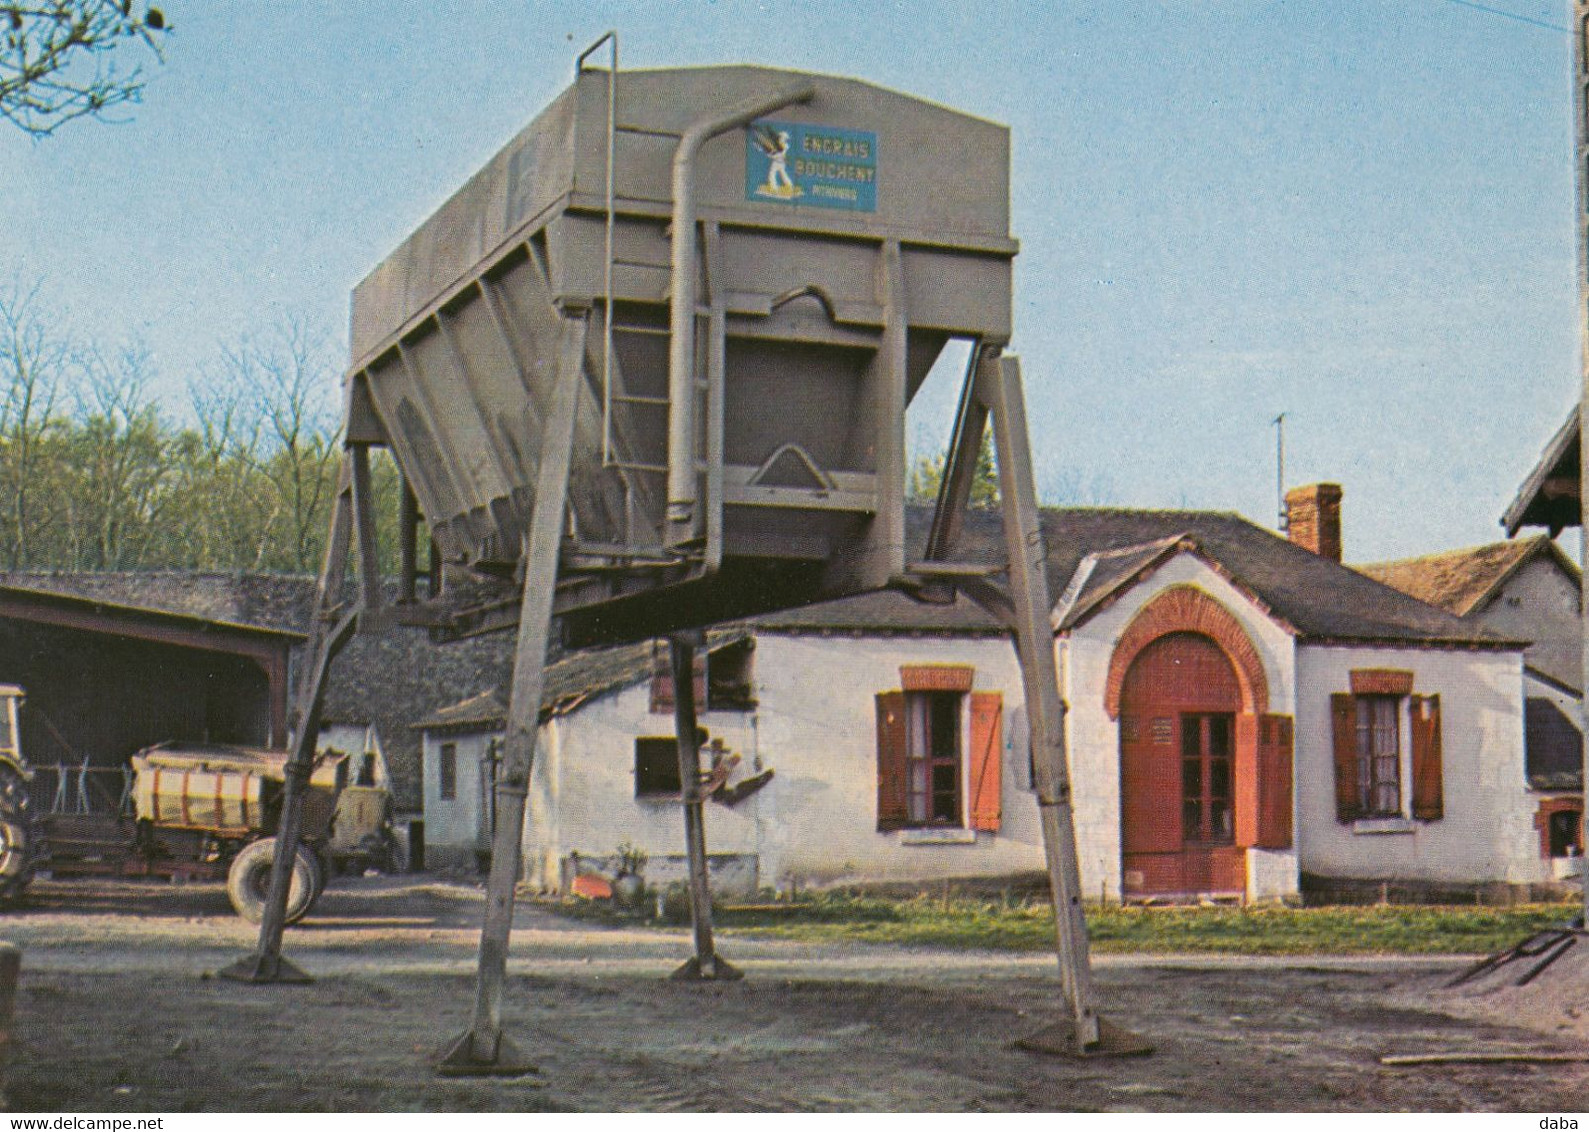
637,467
635,399
647,131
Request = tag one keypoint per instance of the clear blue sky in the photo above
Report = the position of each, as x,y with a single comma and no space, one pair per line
1359,213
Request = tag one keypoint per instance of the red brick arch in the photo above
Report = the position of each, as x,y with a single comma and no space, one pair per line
1187,609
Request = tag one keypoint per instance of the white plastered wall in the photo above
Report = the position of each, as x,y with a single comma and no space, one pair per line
452,826
1094,738
815,727
582,789
1487,831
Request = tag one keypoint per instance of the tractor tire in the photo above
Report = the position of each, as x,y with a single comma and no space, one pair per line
248,881
19,835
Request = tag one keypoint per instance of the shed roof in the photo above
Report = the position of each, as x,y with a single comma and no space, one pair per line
1464,581
277,603
572,680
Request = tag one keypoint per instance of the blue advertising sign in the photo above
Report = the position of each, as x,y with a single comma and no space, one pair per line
803,163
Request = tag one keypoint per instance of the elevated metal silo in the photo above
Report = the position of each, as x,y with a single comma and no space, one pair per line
650,367
830,237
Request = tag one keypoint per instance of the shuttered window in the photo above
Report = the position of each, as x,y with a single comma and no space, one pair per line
724,678
1370,778
932,758
925,776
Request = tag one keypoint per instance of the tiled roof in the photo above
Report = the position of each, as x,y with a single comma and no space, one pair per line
280,602
1460,581
571,680
1320,599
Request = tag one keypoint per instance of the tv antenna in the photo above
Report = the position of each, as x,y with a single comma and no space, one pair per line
1280,472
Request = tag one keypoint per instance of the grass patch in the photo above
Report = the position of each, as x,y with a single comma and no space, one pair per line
963,923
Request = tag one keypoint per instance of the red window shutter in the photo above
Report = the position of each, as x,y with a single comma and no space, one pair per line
987,763
1248,780
662,680
1428,801
661,685
891,808
1274,783
1343,717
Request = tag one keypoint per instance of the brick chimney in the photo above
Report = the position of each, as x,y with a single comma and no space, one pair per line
1313,518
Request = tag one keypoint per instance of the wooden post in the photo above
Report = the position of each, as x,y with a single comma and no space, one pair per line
483,1050
705,963
1082,1033
10,971
1580,99
407,541
266,964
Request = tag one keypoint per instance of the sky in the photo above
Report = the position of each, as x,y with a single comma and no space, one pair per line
1356,213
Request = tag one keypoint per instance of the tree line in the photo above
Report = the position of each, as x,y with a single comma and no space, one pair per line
97,472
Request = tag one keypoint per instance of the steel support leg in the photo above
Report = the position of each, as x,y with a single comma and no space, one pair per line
266,964
1082,1032
483,1050
705,963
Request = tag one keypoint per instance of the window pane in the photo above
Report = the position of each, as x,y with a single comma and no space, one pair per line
1219,821
1191,778
1192,820
945,725
1191,734
932,757
1219,736
1219,778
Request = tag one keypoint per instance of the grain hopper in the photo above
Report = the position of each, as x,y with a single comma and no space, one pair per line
740,451
648,369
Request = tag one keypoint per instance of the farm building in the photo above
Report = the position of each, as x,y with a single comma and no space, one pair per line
1247,718
1529,589
113,662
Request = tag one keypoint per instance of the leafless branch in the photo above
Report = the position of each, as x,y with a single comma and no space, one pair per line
59,59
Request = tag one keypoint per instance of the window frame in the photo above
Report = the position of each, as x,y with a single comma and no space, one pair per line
1205,759
1418,754
1372,764
926,755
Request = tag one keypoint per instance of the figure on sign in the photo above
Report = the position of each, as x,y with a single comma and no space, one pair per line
775,144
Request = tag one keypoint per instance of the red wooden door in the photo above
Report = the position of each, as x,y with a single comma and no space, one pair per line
1178,712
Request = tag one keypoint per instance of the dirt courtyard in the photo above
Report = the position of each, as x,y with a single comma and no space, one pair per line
118,1010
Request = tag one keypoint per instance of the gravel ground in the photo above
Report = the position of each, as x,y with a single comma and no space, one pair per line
118,1009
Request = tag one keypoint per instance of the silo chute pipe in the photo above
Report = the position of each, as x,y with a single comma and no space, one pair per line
681,325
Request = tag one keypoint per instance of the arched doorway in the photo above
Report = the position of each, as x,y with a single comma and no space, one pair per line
1179,705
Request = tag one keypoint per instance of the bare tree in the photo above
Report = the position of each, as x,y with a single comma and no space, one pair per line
223,477
59,59
294,378
122,462
33,355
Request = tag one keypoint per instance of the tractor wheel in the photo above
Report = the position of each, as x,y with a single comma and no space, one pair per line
248,881
19,835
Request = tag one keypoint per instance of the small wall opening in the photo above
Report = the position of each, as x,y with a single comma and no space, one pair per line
656,766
